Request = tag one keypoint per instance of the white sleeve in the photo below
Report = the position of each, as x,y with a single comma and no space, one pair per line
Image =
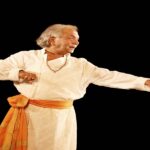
114,79
10,67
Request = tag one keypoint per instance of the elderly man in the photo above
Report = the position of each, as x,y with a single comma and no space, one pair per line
49,80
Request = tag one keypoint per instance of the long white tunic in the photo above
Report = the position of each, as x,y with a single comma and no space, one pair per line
55,129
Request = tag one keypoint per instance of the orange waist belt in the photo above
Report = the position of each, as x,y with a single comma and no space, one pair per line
13,129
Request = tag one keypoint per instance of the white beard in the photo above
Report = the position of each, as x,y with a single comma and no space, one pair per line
72,50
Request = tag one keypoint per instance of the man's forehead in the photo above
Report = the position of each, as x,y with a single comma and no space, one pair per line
68,31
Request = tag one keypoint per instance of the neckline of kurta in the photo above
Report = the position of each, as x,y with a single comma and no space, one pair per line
56,64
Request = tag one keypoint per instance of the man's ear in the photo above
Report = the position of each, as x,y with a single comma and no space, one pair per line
51,40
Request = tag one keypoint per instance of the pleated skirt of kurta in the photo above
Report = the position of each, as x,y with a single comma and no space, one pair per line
51,129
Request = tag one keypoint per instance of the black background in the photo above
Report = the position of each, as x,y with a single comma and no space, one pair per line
112,35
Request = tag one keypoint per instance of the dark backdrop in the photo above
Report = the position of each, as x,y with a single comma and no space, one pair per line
113,36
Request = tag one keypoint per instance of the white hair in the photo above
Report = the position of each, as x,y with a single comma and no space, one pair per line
52,31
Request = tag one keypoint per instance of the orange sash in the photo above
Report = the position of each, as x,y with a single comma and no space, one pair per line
13,129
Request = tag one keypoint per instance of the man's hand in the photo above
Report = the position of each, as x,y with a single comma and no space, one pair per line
147,83
27,76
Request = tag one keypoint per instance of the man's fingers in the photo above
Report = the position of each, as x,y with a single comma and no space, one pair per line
29,77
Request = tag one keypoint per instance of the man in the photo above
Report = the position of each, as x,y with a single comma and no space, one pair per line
49,80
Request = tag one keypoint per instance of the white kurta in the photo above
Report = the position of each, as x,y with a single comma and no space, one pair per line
55,129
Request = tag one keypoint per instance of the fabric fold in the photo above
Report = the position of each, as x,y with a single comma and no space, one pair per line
14,128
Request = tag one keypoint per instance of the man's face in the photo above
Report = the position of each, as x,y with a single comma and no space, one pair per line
67,42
